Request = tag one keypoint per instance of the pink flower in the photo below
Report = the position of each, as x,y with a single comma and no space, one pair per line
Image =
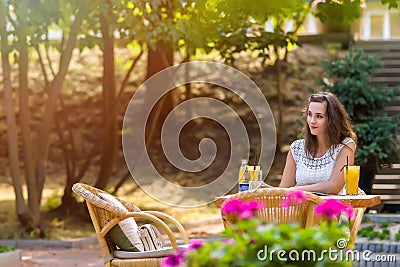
195,244
172,260
254,205
246,214
349,211
181,251
295,197
332,208
241,209
232,206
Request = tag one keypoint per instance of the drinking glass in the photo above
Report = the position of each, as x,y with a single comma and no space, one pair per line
254,172
257,182
351,177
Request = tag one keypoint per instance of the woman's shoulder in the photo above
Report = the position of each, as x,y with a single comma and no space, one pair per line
297,144
348,140
345,142
297,149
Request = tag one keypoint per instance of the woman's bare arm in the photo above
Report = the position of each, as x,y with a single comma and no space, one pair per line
336,181
289,172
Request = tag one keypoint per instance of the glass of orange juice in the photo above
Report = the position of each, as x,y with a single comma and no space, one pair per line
351,177
254,172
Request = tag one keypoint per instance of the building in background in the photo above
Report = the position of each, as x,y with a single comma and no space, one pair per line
377,22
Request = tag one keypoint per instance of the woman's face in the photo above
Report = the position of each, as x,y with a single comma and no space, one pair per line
317,118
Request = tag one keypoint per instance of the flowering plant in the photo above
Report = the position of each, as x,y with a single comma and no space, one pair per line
295,197
250,243
338,10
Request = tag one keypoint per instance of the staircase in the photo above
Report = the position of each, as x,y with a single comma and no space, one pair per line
387,180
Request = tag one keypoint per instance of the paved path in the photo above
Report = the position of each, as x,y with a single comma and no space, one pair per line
49,257
90,255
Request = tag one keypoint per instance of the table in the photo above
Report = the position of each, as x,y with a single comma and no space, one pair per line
358,201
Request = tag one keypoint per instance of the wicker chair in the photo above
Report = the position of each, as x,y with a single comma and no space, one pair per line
105,215
301,213
273,212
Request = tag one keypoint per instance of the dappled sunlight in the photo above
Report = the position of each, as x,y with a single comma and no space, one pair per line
66,229
9,224
184,215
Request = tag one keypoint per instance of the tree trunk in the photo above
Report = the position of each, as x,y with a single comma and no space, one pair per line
12,136
157,60
68,203
51,103
278,69
24,121
68,148
109,142
160,58
188,89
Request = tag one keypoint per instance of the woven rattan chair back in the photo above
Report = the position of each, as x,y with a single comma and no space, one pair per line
104,216
273,212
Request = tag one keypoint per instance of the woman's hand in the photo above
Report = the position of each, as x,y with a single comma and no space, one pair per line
264,185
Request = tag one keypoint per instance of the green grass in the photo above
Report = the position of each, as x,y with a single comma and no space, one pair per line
4,248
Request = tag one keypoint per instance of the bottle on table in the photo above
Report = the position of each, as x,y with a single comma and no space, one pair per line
242,168
243,178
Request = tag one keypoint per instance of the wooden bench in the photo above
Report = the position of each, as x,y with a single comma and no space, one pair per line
387,185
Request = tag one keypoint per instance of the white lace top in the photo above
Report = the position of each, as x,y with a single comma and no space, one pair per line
314,170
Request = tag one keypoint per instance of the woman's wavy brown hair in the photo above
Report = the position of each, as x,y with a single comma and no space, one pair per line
338,128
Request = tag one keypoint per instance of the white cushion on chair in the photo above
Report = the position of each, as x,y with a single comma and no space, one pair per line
145,254
165,251
128,226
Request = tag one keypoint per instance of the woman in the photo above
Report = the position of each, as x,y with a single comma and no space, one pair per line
316,162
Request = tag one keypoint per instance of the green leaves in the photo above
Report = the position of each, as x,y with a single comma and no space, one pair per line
4,248
255,244
365,102
381,231
338,11
391,3
234,26
250,242
377,139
